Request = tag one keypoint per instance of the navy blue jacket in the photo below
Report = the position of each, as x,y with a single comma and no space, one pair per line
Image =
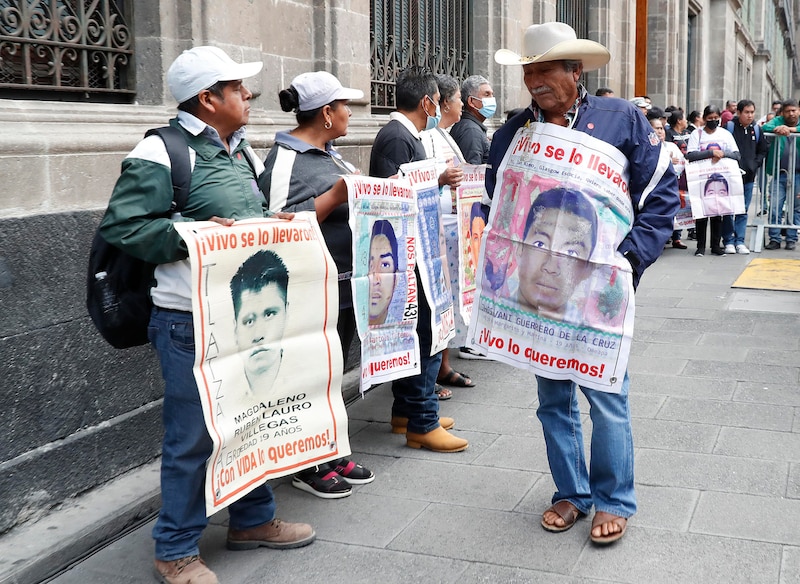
653,186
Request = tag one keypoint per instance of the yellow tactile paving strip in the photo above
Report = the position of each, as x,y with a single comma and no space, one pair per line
770,274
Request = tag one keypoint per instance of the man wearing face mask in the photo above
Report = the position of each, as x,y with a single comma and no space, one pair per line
479,105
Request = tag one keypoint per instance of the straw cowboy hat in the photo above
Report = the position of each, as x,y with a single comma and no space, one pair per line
555,41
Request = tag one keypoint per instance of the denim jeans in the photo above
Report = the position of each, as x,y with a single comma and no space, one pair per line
776,210
734,226
187,446
608,485
415,397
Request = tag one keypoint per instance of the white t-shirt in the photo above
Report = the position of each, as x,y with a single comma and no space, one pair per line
719,139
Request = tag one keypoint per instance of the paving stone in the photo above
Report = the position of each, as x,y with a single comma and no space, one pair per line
656,300
443,482
666,337
664,507
772,357
761,444
793,486
704,352
674,312
683,385
790,566
656,556
742,371
709,472
644,406
518,536
722,339
727,413
674,436
784,394
706,326
516,452
660,366
747,517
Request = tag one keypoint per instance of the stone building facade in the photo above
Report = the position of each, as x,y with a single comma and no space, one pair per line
77,413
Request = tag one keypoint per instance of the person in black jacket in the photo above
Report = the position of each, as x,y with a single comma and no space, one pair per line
469,132
753,148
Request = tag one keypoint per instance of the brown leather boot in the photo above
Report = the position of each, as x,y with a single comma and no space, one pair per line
276,534
438,440
188,570
400,424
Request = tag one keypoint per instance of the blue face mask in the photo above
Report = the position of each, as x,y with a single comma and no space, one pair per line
433,121
489,107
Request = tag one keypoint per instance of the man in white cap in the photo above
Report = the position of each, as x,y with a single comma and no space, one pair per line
552,60
214,106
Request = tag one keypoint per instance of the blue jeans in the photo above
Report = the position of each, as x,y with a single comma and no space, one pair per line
776,210
187,446
734,226
608,485
415,397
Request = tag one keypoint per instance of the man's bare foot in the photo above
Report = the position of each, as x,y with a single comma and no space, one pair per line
607,528
561,516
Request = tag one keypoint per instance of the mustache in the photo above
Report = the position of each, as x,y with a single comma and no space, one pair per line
540,90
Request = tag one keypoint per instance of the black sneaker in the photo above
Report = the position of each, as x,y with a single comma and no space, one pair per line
352,472
790,245
322,482
773,245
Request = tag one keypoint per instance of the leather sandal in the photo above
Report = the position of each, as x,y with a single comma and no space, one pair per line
456,379
602,517
567,511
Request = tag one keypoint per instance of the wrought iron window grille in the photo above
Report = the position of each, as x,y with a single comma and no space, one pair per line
65,49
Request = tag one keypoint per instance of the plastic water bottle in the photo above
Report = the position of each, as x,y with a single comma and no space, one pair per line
107,299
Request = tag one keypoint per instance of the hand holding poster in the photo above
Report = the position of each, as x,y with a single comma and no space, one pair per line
432,251
559,300
471,223
715,188
383,216
268,361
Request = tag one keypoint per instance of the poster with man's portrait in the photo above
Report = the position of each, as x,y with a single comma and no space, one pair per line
715,188
554,294
268,359
383,215
472,219
432,251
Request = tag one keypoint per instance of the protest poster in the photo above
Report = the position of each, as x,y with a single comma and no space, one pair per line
432,251
471,223
554,294
268,361
684,218
383,214
715,188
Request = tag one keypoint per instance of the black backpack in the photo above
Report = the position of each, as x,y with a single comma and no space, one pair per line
118,285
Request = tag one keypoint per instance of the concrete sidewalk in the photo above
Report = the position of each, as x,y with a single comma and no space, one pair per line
715,396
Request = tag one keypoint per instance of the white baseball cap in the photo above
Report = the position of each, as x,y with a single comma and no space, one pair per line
321,88
201,67
640,102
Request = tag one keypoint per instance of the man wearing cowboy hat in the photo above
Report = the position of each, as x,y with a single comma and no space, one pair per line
552,60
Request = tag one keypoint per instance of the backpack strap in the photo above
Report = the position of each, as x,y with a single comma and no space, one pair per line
178,152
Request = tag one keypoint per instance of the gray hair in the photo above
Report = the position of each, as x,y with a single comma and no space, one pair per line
471,86
571,65
447,86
